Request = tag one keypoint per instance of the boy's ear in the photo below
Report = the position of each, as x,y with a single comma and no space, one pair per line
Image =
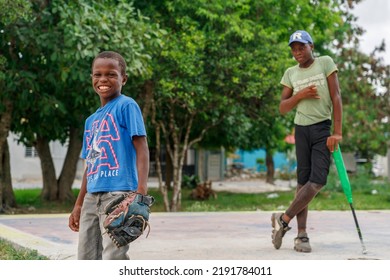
124,80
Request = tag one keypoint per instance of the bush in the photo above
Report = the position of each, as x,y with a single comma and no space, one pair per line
190,182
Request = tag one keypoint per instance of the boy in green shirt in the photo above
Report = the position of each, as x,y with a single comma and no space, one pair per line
312,88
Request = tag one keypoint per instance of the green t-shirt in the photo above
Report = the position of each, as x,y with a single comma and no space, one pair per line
311,111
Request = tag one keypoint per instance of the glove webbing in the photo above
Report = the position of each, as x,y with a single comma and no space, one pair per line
130,231
144,225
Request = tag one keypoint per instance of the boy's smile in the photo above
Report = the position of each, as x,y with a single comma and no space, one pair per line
103,88
107,79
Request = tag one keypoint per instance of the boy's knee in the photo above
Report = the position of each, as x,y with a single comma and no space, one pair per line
314,186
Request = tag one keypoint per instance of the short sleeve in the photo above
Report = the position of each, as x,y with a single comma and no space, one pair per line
329,65
286,80
133,120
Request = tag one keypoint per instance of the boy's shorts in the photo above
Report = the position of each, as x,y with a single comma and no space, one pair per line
313,156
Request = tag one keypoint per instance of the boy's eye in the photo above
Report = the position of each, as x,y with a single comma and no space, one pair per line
109,75
299,49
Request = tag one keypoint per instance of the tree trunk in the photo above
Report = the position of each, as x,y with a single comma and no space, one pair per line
162,188
69,169
50,187
269,161
177,171
168,172
8,192
149,109
5,125
147,98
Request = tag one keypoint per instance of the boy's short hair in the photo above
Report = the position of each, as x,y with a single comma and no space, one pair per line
300,36
113,55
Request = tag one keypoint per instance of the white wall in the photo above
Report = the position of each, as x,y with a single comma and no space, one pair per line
380,166
29,168
22,168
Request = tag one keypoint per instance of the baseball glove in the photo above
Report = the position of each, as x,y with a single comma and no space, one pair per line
127,217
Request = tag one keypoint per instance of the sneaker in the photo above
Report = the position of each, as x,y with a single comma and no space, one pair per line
301,243
278,230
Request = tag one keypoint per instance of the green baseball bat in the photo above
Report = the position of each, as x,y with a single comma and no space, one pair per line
343,175
345,184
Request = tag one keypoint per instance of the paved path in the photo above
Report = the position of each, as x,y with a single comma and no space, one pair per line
216,236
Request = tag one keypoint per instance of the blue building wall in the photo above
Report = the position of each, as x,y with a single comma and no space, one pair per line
248,159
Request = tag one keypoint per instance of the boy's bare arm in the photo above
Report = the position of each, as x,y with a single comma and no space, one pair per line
290,101
74,218
334,89
141,147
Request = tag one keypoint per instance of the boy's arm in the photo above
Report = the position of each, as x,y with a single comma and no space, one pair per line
74,219
290,101
334,90
141,147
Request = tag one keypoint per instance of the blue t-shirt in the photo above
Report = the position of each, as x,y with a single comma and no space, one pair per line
108,148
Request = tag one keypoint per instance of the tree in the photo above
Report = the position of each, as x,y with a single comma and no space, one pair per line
59,58
366,103
364,81
185,104
220,69
10,13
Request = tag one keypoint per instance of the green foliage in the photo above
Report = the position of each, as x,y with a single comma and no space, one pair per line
12,11
48,66
365,102
91,27
190,182
362,180
223,61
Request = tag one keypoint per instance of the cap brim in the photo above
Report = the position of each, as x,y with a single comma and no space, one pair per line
300,41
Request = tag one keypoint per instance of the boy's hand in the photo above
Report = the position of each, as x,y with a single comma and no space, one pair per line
74,219
310,92
333,141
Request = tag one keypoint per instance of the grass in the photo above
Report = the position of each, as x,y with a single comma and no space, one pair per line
10,252
226,201
368,194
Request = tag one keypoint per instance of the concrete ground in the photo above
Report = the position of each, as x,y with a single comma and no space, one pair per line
218,235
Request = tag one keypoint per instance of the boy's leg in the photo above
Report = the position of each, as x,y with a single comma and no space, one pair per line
320,152
303,198
299,208
304,165
110,251
313,160
90,240
303,154
319,171
302,215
